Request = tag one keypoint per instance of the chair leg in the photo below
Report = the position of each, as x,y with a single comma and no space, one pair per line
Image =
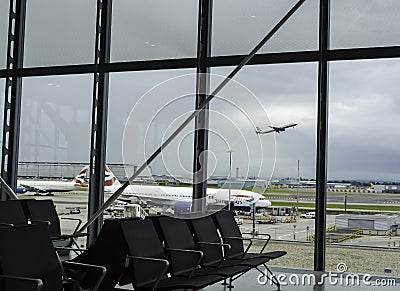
230,286
270,276
273,278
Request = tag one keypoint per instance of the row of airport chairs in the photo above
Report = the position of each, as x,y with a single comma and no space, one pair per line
158,253
166,253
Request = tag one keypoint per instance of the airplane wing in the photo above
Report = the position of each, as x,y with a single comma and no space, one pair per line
33,189
134,199
289,125
266,131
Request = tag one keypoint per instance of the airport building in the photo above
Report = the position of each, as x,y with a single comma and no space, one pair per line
377,222
243,183
197,89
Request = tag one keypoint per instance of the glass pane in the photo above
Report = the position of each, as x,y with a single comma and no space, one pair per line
59,32
55,142
284,94
144,30
142,113
238,26
4,7
55,119
360,23
363,165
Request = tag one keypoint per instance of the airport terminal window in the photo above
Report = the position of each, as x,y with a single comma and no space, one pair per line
3,32
64,35
237,28
364,164
56,111
287,93
55,119
142,30
55,130
144,108
359,23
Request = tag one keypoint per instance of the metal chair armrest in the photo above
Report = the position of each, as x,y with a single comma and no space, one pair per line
242,239
261,239
37,282
46,222
71,249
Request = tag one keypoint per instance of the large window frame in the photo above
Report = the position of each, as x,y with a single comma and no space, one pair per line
102,66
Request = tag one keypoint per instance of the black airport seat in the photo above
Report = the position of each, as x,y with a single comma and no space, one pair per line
149,263
28,261
109,250
44,210
12,213
231,234
205,230
177,235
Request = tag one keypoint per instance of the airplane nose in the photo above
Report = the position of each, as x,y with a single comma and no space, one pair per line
263,203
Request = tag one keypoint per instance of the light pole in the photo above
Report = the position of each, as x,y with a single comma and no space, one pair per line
230,177
298,185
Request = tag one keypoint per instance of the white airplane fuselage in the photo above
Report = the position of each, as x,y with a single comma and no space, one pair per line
169,196
47,186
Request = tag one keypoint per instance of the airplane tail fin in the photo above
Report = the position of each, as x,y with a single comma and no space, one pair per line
81,178
258,129
109,178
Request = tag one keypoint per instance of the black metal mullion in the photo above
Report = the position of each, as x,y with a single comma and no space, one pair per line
213,61
322,138
202,120
99,116
13,92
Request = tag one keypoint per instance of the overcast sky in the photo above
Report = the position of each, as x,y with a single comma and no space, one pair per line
364,95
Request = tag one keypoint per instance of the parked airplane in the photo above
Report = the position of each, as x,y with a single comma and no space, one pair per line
167,196
46,186
277,129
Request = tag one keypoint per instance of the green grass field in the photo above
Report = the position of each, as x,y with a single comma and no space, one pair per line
351,207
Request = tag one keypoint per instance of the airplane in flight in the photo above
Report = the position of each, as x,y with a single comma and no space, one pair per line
277,129
46,186
170,197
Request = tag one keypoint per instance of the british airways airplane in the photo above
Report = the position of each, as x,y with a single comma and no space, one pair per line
167,196
46,186
277,129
